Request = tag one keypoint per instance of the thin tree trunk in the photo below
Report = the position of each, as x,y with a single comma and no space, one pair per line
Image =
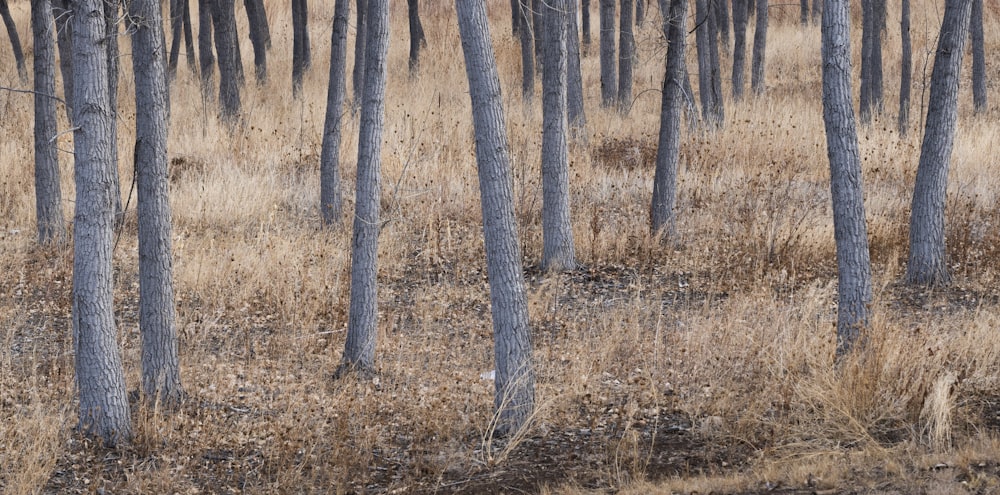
362,327
873,16
331,200
161,379
804,12
906,68
301,53
527,55
188,37
15,41
721,10
739,48
64,42
817,11
574,77
585,24
927,263
205,51
711,101
257,25
640,12
757,83
360,38
978,57
224,21
558,252
100,378
176,33
417,38
609,78
626,57
514,396
515,18
854,289
715,66
110,43
48,192
536,35
661,211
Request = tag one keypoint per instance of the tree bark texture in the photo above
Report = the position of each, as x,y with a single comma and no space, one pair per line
574,77
224,22
609,78
854,290
301,53
709,77
757,83
626,57
640,12
48,193
906,68
817,11
927,264
180,27
871,61
161,378
527,55
331,200
661,212
720,9
978,57
15,41
359,350
804,12
585,24
259,37
64,42
110,43
206,53
739,48
514,396
515,18
360,38
417,38
104,409
558,252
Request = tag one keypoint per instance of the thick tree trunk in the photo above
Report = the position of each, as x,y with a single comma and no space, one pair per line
609,78
927,264
331,200
849,229
661,212
574,77
558,252
514,396
104,409
626,57
15,41
161,378
417,38
360,38
906,68
585,24
48,193
362,327
739,48
978,57
64,42
527,55
757,83
224,22
259,37
301,52
205,52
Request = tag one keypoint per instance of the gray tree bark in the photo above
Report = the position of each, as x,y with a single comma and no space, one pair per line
260,37
871,61
978,57
927,264
515,18
64,42
301,52
757,83
15,41
514,396
709,77
417,38
720,9
558,252
817,11
362,327
574,77
609,78
331,200
626,57
161,378
111,45
906,68
804,12
224,22
661,212
48,193
205,52
854,290
640,12
104,409
585,24
360,38
180,28
527,55
739,48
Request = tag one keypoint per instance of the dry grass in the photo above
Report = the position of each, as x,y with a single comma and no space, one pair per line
705,366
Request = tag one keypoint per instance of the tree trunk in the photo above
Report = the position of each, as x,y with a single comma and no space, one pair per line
759,48
301,52
640,12
849,229
48,193
739,48
804,12
527,56
514,396
189,38
536,22
224,21
585,24
515,18
609,78
871,59
104,409
817,11
161,379
687,93
626,57
906,68
176,27
417,39
557,231
15,41
574,77
358,76
978,57
721,10
259,37
661,211
709,89
927,264
64,42
331,201
362,327
205,52
110,43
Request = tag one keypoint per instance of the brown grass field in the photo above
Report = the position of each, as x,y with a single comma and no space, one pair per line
700,367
